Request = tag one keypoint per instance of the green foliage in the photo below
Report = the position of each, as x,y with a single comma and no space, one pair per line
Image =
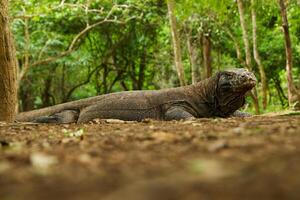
132,49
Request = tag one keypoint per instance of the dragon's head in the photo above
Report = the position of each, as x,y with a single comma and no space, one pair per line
231,87
236,81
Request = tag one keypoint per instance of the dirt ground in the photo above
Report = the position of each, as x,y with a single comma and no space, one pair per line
235,158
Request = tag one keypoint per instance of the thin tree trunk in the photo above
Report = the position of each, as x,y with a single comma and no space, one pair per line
176,43
124,86
98,82
8,90
63,83
192,58
237,47
245,34
104,78
257,57
219,59
280,91
142,69
25,66
47,97
26,96
247,50
206,41
288,53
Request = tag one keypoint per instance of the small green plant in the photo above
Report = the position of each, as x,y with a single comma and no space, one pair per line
69,133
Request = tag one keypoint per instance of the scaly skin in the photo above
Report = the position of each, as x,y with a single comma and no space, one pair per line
218,96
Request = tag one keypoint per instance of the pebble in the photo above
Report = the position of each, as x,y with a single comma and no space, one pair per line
114,121
218,145
42,161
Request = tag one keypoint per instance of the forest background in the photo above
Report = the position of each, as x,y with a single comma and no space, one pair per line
72,49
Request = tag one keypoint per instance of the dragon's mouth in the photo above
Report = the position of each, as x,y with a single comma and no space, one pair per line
237,81
252,83
246,86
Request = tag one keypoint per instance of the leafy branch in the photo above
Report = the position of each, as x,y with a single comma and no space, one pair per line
109,18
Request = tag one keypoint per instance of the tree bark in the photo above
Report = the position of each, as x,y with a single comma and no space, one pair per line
25,66
8,91
195,71
26,96
280,91
237,47
245,34
142,68
288,52
247,50
257,57
206,42
47,97
104,78
176,43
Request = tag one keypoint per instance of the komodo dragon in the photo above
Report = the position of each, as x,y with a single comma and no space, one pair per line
219,96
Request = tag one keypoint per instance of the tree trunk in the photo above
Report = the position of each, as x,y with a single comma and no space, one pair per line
237,47
8,90
63,84
245,34
288,52
206,42
176,43
247,50
257,57
142,69
47,97
192,58
104,78
280,91
46,94
25,63
26,96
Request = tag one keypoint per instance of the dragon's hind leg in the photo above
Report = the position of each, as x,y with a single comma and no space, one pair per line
64,117
177,113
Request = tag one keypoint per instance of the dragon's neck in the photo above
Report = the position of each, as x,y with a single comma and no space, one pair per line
209,94
206,89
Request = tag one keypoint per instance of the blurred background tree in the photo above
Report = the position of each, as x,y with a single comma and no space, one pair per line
71,49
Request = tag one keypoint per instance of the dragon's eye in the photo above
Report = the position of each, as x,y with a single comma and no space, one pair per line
229,75
226,84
